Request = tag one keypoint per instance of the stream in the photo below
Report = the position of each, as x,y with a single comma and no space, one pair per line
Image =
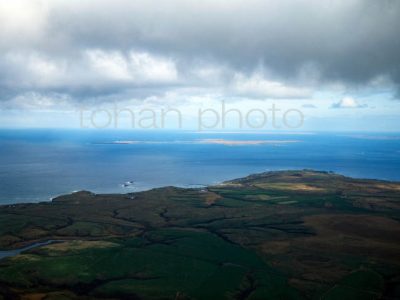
14,252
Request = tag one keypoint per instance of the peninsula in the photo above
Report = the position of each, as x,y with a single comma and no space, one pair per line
277,235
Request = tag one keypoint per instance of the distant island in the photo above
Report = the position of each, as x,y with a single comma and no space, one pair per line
277,235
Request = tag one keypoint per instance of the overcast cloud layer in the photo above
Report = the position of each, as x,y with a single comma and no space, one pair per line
61,52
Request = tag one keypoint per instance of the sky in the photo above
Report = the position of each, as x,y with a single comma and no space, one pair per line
321,65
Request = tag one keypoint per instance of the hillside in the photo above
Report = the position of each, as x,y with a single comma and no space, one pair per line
276,235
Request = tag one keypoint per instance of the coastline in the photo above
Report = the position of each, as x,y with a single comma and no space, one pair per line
119,191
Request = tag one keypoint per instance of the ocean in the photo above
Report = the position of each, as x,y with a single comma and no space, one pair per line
36,165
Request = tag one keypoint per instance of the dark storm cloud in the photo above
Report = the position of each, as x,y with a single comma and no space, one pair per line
300,43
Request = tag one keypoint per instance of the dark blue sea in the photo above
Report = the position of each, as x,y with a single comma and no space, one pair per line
36,165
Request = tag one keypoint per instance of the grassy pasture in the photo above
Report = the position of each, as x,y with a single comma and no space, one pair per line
277,235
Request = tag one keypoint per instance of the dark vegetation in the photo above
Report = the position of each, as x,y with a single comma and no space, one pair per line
277,235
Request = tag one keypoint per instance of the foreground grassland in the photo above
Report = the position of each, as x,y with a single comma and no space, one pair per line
277,235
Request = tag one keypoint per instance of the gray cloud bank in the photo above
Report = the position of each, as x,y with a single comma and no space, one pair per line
101,50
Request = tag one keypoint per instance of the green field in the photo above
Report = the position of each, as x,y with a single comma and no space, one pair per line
278,235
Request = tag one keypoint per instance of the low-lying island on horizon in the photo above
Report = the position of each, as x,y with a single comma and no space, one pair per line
277,235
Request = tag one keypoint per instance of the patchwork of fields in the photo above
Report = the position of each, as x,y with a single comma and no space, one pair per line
276,235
